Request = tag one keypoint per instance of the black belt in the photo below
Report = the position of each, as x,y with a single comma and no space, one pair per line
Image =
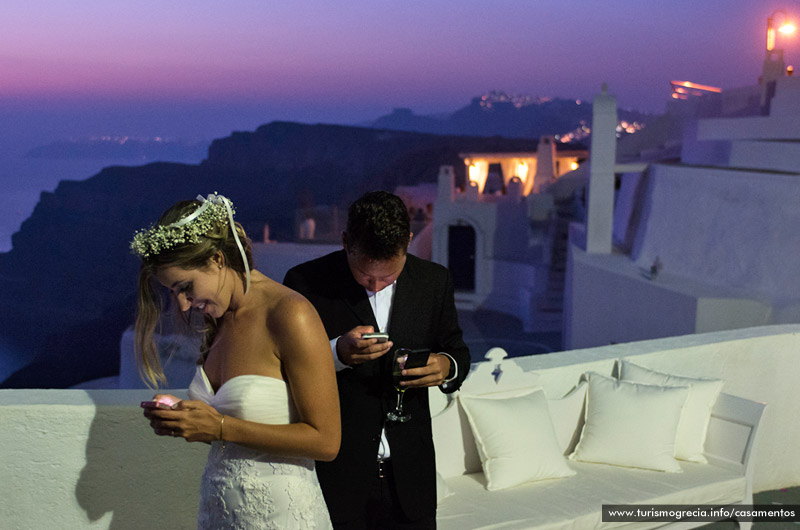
384,468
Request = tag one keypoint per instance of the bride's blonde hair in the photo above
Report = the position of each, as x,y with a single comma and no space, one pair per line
193,254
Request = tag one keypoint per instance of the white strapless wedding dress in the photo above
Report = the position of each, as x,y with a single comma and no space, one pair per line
244,489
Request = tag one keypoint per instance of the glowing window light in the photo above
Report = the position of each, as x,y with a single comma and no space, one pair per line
474,173
478,171
522,171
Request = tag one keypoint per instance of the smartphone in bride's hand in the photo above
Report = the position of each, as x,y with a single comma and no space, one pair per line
155,405
165,403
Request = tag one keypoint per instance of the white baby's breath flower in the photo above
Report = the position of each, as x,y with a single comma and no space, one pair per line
188,230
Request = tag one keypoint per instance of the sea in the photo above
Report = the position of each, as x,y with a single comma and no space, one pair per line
24,179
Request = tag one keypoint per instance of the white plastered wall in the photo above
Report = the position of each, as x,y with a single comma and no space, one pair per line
88,459
735,229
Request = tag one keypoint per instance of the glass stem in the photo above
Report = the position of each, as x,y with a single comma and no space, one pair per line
399,407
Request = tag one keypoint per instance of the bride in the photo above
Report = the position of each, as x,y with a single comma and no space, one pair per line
265,394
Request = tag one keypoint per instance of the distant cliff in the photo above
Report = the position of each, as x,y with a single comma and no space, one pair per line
67,289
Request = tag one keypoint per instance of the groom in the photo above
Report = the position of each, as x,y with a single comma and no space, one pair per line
384,476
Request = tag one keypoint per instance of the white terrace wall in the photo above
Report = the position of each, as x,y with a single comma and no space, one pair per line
610,300
77,459
83,459
723,227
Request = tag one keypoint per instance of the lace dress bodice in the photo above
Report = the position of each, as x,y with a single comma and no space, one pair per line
245,489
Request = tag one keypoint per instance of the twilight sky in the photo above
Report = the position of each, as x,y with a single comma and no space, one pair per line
206,67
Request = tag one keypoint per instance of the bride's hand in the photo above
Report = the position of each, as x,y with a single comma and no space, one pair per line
193,420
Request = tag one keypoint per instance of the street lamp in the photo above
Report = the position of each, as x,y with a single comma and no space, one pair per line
787,28
774,66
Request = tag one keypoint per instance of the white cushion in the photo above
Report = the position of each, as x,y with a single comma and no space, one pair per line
515,439
630,424
696,412
567,417
456,453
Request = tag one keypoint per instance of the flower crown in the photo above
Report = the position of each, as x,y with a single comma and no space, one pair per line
189,230
213,211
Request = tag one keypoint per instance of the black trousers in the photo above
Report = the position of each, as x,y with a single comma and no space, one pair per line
383,510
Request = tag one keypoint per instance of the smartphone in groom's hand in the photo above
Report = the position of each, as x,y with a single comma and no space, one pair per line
417,358
382,337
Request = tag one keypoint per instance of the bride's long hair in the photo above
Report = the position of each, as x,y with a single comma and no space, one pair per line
151,297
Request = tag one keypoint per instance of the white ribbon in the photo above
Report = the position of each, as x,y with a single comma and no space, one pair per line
206,201
195,214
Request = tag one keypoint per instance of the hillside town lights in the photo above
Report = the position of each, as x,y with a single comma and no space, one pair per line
787,28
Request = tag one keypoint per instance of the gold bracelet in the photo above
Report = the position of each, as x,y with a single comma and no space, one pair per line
221,422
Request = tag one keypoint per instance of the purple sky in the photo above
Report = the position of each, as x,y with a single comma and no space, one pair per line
175,67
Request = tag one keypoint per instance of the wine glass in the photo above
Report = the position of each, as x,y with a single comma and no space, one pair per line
398,363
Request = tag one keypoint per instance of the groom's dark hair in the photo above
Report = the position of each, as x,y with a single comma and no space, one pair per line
378,226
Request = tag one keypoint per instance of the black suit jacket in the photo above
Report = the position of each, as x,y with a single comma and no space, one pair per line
423,316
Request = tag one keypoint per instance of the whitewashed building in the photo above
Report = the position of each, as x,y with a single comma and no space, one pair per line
498,233
707,241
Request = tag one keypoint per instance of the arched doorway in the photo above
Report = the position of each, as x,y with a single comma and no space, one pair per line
461,256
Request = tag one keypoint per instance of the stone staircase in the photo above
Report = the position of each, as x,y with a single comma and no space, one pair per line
547,313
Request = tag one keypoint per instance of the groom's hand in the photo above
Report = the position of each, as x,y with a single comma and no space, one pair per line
354,350
432,374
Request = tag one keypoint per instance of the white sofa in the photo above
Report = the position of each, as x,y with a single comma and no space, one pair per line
575,502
